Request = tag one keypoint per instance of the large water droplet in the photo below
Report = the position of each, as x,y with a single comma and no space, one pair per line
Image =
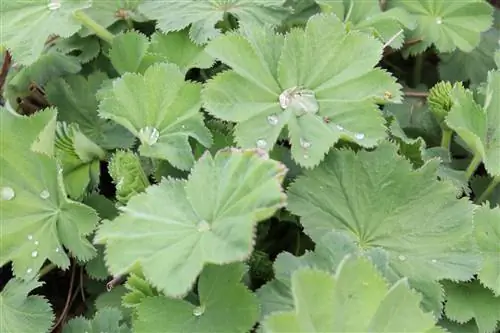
198,311
402,257
272,120
7,193
261,143
30,237
54,5
34,254
44,194
149,135
359,136
439,20
203,226
305,144
302,100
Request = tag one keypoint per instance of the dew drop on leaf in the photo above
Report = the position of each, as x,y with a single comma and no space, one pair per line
29,270
36,243
7,193
203,226
58,249
439,20
305,144
340,128
359,136
54,5
306,156
34,254
402,258
261,143
149,135
30,237
44,194
198,311
302,100
272,120
434,261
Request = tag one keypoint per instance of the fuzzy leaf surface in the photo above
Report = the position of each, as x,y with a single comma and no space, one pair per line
202,16
226,306
26,41
448,26
22,313
209,218
479,126
355,299
37,217
377,198
324,76
472,301
487,231
161,109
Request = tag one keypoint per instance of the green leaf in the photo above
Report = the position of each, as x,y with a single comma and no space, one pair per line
478,125
37,217
447,26
75,98
356,299
209,218
105,320
487,231
113,299
473,65
128,51
84,49
202,16
367,16
161,109
378,199
472,301
28,24
226,306
128,175
22,313
176,47
320,83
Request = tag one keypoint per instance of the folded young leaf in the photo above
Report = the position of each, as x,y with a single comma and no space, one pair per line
447,25
209,218
45,18
105,320
472,301
37,217
161,109
487,230
355,299
320,83
202,16
226,306
377,198
22,313
479,126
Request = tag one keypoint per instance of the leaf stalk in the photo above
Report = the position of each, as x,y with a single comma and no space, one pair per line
446,137
98,29
493,183
474,163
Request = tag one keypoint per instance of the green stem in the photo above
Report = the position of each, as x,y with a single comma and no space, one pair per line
417,70
47,269
474,163
494,182
446,138
98,29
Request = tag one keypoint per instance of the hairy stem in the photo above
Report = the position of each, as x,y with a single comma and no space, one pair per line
446,136
494,182
98,29
474,163
47,269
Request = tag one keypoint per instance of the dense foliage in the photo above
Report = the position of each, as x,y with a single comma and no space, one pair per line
250,166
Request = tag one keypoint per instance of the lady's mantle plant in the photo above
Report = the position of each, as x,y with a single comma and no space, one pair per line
249,166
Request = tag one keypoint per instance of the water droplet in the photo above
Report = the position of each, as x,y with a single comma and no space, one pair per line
340,128
58,249
36,243
306,157
302,100
203,226
439,20
44,194
183,126
359,136
261,143
54,5
29,270
365,284
305,144
272,120
434,261
198,311
30,237
7,193
149,135
34,254
402,258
